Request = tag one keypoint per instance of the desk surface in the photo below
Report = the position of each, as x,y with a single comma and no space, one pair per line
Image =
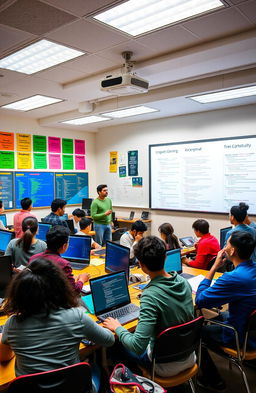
7,368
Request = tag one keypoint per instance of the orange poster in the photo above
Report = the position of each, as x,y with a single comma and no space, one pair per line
6,140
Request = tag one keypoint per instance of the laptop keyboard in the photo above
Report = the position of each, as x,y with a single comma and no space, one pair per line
77,266
120,312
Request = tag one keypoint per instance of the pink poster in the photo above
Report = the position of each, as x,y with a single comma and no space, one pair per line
80,162
79,146
54,161
53,144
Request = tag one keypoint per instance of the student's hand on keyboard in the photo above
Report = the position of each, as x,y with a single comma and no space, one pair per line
84,277
111,324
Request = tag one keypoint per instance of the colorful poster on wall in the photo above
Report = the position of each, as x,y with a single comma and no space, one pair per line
68,161
67,146
6,159
79,146
39,143
40,161
122,171
23,142
53,144
54,161
24,160
137,182
133,163
80,163
113,157
6,141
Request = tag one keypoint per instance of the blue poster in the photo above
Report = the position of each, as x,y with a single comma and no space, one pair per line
6,190
39,186
72,187
137,181
122,171
133,163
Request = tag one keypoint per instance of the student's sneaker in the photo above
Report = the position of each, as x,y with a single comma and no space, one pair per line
220,386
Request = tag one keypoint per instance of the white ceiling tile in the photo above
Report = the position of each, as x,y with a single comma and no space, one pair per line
61,74
87,36
11,38
218,24
81,7
90,64
249,10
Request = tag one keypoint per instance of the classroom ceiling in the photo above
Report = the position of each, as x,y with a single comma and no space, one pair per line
207,53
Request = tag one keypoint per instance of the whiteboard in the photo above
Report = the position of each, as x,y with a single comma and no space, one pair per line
204,176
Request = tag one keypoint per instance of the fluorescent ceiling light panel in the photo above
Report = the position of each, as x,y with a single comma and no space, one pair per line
38,56
31,103
138,110
136,17
225,95
84,120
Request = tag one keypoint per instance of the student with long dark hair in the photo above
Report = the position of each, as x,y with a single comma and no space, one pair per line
167,235
45,324
23,248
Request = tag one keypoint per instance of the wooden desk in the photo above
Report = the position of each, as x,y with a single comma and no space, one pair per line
7,368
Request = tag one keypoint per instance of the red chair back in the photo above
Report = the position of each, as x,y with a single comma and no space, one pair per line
178,342
76,377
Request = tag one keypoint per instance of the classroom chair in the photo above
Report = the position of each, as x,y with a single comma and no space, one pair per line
76,377
238,355
175,343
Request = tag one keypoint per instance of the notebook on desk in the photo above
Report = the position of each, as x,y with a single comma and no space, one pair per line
173,263
78,252
111,298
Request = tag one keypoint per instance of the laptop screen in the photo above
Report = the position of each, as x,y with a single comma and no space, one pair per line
3,219
173,261
79,249
223,232
86,203
5,237
117,258
187,241
42,230
109,292
5,273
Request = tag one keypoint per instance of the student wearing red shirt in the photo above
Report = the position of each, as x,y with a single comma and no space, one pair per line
207,247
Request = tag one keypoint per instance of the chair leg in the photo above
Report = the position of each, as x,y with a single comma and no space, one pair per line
192,386
244,376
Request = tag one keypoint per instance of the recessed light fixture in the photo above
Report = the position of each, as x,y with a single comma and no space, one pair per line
38,56
137,110
84,120
225,95
30,103
136,17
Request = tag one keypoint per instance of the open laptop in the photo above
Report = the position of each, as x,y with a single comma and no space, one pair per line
173,263
144,215
187,241
3,219
42,230
78,252
5,238
111,298
131,216
71,226
5,274
117,258
223,232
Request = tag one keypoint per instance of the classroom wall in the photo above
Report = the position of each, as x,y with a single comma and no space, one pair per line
14,123
216,124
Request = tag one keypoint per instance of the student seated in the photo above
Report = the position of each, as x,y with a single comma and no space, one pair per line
166,301
206,248
167,235
27,245
57,243
76,215
237,217
132,237
26,207
85,228
238,289
45,324
58,210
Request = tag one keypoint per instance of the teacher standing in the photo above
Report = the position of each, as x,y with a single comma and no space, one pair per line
101,211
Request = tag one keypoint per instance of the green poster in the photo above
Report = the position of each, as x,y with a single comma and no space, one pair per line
67,146
39,143
40,161
68,162
7,159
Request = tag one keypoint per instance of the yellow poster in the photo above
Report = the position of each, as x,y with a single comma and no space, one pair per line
23,142
24,160
113,157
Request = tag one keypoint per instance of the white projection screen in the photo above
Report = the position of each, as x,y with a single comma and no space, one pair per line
203,176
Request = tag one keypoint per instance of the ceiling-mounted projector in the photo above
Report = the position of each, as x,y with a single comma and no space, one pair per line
124,84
